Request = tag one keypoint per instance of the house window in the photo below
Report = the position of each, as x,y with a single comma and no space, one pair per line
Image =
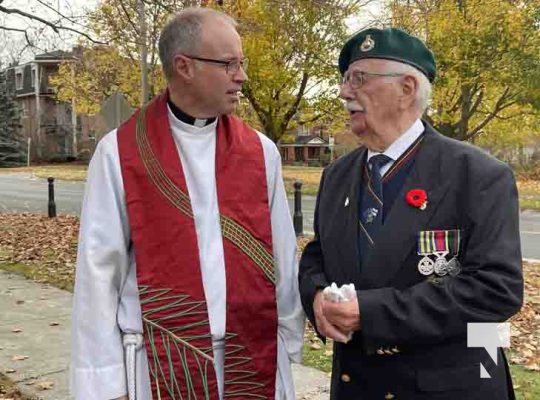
24,110
34,77
19,79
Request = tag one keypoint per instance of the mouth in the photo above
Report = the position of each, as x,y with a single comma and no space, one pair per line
234,92
354,108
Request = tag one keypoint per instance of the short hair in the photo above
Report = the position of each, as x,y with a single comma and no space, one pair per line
423,93
183,32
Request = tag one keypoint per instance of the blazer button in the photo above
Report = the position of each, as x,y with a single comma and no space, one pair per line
345,378
380,351
395,350
389,396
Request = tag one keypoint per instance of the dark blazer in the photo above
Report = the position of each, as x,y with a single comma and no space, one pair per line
413,338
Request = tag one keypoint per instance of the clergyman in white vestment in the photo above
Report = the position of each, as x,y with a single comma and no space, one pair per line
106,302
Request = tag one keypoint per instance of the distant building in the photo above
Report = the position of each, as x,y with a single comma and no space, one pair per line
315,147
56,133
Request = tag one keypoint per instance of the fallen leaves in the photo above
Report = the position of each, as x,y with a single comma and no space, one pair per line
45,385
8,390
525,326
32,239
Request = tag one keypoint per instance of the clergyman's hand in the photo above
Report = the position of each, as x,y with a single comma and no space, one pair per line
324,327
345,315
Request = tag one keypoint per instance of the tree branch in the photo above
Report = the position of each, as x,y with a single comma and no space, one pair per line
55,27
70,19
499,106
294,107
30,16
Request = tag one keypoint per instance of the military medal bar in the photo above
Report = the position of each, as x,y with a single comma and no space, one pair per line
438,244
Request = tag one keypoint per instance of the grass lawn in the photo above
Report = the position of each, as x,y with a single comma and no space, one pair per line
67,172
529,194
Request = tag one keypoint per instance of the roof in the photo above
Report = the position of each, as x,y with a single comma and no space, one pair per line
53,55
310,139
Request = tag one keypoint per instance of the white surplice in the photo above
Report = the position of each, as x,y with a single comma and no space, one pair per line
106,301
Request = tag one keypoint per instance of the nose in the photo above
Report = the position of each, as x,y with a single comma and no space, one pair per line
345,92
240,75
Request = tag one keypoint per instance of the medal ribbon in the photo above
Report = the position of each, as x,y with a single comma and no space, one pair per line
440,241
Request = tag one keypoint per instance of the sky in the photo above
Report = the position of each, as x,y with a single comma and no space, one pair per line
370,15
13,45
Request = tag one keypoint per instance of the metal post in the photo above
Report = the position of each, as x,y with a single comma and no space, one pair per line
52,204
297,217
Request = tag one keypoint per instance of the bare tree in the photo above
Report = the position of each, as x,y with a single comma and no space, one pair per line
56,21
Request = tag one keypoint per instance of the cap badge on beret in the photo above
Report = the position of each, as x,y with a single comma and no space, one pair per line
368,44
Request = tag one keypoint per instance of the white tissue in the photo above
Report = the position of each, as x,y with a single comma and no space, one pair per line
337,295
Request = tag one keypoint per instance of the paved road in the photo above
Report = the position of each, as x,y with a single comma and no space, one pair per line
22,192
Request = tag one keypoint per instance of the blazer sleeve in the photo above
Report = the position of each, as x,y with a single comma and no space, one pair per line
488,289
311,275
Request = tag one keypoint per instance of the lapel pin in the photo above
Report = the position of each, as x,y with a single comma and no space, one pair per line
346,201
417,198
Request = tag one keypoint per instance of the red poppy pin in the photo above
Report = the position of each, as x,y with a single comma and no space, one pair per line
417,198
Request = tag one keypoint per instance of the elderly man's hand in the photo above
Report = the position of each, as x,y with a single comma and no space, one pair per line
324,327
345,315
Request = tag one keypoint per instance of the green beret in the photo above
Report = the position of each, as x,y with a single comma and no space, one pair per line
390,44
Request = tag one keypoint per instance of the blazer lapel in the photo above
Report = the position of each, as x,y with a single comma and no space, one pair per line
345,225
397,237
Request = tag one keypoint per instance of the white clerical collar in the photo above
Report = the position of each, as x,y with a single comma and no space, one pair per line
191,128
199,123
185,117
402,143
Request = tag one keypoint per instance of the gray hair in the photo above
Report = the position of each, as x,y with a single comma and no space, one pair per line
182,34
423,93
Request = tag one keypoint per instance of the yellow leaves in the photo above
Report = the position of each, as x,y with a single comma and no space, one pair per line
482,52
285,41
100,72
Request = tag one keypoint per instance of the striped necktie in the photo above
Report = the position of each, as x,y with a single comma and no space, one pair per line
372,197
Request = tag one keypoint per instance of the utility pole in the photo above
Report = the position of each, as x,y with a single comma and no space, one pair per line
144,53
74,144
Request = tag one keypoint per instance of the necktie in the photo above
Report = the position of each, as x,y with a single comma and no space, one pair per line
372,197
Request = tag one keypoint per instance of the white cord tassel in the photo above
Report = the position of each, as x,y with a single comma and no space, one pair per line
132,342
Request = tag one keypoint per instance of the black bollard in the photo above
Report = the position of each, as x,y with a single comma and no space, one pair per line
297,216
52,204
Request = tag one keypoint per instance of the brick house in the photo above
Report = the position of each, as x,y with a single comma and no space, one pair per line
307,147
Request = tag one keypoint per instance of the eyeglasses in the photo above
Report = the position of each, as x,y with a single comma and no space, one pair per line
358,78
231,66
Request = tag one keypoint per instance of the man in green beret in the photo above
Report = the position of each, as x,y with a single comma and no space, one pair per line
424,227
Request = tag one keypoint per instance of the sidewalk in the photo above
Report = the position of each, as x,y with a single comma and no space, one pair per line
35,343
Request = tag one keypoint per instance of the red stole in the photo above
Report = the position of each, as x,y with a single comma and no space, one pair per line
175,317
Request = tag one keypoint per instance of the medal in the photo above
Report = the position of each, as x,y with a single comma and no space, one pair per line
425,266
440,266
453,267
438,243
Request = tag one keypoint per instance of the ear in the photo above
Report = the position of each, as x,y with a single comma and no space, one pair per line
409,87
183,67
